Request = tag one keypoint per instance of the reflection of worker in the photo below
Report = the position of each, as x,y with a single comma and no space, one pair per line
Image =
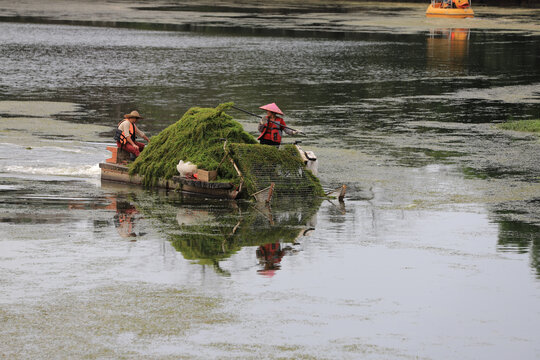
124,220
271,126
270,256
129,132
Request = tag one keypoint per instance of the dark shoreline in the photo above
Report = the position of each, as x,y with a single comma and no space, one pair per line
341,6
528,4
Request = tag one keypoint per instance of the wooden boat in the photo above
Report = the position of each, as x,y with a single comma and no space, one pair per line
120,173
450,9
116,170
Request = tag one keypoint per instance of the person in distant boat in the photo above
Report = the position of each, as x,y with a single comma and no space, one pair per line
272,126
127,133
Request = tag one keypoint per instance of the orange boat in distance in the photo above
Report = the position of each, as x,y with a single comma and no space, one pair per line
450,9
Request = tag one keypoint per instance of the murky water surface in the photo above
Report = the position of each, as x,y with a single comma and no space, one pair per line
434,254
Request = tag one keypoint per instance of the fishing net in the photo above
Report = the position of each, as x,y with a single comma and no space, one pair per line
262,165
199,136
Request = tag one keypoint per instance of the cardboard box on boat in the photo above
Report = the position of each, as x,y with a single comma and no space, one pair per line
204,175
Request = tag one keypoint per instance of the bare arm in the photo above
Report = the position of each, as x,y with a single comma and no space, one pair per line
286,129
138,132
289,131
262,123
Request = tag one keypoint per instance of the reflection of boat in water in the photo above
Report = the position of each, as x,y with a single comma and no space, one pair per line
210,232
209,235
448,48
450,9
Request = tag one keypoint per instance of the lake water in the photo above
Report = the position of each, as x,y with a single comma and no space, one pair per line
434,254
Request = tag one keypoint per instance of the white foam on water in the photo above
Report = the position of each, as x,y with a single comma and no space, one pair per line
85,171
9,188
57,160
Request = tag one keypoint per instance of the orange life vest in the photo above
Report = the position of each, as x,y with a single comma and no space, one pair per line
132,133
272,131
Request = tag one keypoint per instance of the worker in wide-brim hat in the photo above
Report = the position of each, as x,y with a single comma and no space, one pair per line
128,133
272,126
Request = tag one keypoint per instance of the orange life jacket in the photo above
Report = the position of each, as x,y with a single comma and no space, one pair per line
132,133
272,131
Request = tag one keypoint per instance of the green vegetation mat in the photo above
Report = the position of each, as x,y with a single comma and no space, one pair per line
522,125
199,136
196,137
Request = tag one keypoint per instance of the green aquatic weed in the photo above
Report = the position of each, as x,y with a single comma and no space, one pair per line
199,137
521,125
262,165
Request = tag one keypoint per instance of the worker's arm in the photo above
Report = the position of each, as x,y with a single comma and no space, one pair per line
132,143
138,132
261,124
290,132
287,130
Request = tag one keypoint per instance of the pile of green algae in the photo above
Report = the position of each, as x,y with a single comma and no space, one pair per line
199,137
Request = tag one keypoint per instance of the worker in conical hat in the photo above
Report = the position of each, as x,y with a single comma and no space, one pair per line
272,126
127,134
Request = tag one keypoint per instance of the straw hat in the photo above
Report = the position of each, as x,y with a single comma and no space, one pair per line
272,107
133,114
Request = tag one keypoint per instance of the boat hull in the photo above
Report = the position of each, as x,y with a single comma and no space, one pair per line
433,11
120,174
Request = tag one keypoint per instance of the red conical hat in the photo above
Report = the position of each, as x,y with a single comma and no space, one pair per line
272,107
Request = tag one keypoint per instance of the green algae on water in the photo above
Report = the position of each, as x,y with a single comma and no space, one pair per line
532,126
196,137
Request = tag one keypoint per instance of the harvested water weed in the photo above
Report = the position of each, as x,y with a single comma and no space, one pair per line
199,137
262,165
196,137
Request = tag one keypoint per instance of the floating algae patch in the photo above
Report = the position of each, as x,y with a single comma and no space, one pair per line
532,126
196,137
